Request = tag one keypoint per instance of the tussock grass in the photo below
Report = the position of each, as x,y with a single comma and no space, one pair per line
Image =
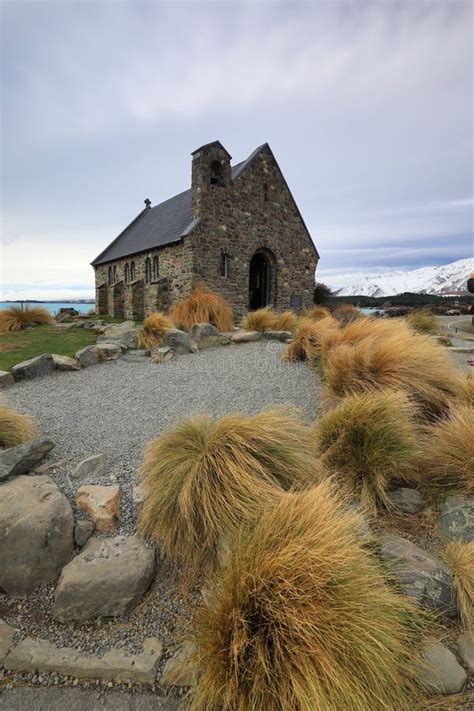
154,328
459,557
346,313
307,338
259,320
367,441
447,457
401,361
205,476
203,306
467,390
359,329
14,318
316,313
301,618
422,321
286,321
15,428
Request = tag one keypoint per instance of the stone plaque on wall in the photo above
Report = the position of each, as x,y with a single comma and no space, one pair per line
296,301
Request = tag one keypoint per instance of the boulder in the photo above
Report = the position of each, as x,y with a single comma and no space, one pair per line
6,640
44,468
92,355
33,367
101,503
62,362
466,650
179,341
38,655
136,355
36,533
282,336
242,336
88,356
83,530
179,670
66,314
420,574
205,335
440,673
6,379
138,498
162,355
23,458
106,579
92,467
406,500
124,334
456,520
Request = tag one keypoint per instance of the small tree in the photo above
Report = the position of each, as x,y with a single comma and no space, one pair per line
322,294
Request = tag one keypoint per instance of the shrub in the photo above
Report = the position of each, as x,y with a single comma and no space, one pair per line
346,313
368,440
14,318
459,557
307,338
259,320
286,321
422,321
448,453
203,306
301,618
401,361
321,294
205,476
15,428
154,328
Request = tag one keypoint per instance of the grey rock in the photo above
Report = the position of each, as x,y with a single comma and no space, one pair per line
441,673
242,336
136,355
6,640
138,497
92,467
420,574
456,519
106,579
282,336
179,670
45,468
33,367
466,650
179,341
23,458
6,379
406,500
83,530
108,350
37,655
92,355
205,335
62,362
162,355
88,356
36,533
66,313
124,334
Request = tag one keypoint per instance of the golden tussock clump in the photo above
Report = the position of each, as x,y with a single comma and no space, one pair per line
422,321
307,338
259,320
154,328
401,361
367,441
301,618
447,457
346,313
459,557
15,428
286,321
359,329
15,318
466,384
316,313
203,306
205,476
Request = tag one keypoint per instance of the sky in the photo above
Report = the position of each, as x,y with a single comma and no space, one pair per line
367,106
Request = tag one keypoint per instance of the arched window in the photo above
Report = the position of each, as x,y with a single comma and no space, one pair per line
115,274
216,173
132,271
127,273
156,268
224,265
147,270
265,192
110,275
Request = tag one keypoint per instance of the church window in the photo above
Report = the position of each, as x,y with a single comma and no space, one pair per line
110,275
156,268
148,270
132,271
265,192
127,273
224,265
216,173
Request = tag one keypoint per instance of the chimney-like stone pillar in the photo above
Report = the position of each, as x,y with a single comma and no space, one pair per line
210,173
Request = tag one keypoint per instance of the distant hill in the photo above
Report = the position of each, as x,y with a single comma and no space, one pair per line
446,280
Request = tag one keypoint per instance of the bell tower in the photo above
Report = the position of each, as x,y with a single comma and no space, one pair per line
210,174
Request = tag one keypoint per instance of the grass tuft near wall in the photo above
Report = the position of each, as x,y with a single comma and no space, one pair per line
203,306
154,328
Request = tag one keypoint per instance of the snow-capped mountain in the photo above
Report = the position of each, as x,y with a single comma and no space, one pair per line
449,279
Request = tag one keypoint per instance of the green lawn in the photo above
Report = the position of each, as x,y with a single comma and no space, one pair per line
21,345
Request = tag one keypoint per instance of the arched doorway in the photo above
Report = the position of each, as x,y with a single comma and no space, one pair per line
259,281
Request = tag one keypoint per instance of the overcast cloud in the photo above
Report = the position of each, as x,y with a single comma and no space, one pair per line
368,108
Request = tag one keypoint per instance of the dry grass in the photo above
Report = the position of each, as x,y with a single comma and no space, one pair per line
307,338
400,361
154,328
301,618
367,441
14,318
286,321
205,476
316,313
422,321
459,557
467,390
259,320
359,329
15,428
346,313
447,458
203,306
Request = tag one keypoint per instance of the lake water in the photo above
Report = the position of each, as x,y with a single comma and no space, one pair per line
52,306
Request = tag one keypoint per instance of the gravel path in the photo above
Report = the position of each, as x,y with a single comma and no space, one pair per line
116,408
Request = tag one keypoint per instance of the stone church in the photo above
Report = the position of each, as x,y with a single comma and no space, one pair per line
238,230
